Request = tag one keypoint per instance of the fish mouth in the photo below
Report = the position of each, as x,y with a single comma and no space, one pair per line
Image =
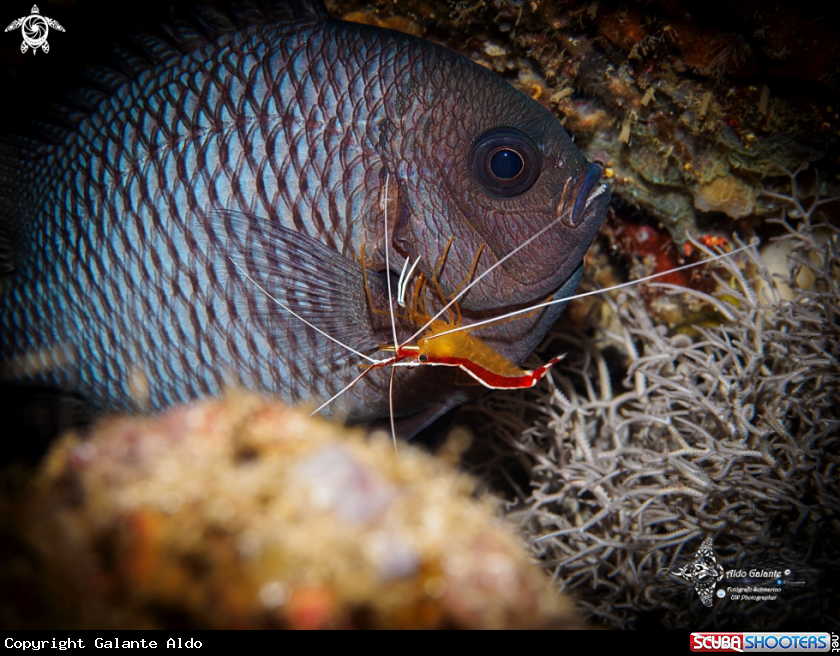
586,194
581,208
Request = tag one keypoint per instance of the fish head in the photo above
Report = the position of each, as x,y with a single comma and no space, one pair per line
490,168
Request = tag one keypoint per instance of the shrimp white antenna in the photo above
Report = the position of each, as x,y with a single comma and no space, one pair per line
401,293
391,309
336,395
400,298
555,301
388,263
404,278
295,314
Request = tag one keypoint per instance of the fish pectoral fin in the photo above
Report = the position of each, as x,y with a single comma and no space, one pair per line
292,283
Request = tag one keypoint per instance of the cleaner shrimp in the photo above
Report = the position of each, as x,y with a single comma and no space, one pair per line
447,341
459,349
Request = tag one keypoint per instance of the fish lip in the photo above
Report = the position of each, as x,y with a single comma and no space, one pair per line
586,192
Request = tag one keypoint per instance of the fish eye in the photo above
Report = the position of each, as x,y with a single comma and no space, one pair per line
506,164
505,161
423,357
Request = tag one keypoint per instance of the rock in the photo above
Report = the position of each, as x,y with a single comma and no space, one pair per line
243,513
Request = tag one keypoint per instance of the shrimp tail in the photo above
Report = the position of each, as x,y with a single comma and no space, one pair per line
539,373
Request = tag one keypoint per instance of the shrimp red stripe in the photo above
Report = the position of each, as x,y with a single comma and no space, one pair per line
491,379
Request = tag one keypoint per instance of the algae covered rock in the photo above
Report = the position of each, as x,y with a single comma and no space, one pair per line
244,513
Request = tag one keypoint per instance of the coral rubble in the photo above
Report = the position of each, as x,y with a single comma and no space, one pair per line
242,513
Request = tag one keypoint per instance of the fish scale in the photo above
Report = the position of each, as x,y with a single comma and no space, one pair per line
166,181
125,253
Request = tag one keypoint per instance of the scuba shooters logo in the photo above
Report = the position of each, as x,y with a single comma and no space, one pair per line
764,642
34,29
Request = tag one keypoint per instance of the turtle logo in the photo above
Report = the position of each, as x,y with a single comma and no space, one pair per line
34,29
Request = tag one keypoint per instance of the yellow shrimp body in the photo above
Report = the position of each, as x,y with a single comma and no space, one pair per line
454,349
463,346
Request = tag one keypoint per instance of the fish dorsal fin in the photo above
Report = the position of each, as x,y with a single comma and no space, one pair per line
320,285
